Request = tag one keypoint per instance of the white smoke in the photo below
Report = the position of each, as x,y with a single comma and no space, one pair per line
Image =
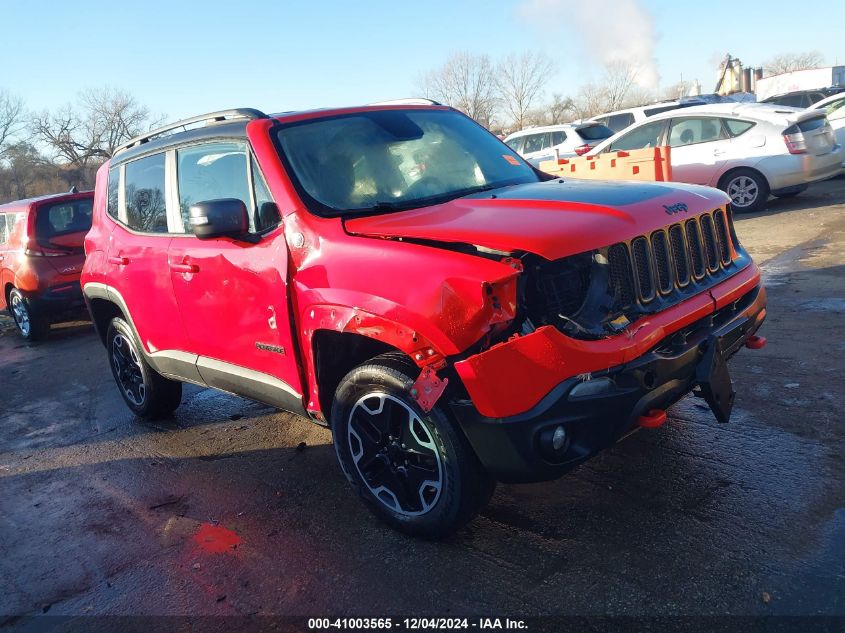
603,31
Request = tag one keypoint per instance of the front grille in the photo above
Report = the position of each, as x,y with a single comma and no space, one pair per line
696,252
722,234
679,254
642,264
621,279
662,261
710,248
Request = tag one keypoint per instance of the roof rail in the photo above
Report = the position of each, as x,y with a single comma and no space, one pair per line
222,115
411,101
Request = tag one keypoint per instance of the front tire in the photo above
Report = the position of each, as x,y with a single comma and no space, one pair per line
412,469
31,323
748,189
146,392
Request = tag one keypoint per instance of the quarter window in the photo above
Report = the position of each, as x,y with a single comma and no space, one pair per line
145,201
835,109
736,127
692,130
619,122
3,232
114,187
558,138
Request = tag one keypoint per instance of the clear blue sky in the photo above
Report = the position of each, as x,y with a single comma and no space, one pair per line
184,57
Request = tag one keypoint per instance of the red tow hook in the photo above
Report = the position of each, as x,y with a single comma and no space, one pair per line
652,419
755,342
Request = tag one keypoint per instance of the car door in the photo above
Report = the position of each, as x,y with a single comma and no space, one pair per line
700,148
138,274
232,294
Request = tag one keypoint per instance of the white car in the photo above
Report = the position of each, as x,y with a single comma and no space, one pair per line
834,109
618,120
540,143
748,150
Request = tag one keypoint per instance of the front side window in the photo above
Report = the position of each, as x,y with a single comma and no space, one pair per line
387,160
692,130
213,171
648,135
63,218
145,200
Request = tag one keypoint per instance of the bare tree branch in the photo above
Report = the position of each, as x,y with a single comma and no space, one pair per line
465,82
788,62
11,118
521,79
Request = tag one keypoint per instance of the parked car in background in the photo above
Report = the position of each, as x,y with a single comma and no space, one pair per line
803,98
748,150
41,257
834,109
540,143
621,119
399,274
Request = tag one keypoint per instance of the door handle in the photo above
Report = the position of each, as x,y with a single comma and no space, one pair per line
184,268
719,152
120,261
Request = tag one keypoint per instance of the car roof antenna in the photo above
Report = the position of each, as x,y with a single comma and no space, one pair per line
73,189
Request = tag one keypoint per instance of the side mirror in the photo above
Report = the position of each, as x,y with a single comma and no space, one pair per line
226,217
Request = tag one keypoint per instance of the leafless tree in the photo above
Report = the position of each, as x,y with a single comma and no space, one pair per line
619,78
788,62
560,110
465,82
521,79
91,131
677,90
11,118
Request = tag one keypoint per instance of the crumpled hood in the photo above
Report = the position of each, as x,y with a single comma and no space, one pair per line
552,219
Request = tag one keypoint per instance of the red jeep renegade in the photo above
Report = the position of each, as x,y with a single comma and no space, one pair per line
398,273
41,259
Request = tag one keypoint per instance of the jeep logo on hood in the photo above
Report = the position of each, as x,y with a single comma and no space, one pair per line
672,209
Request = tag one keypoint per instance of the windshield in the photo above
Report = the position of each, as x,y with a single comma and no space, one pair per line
387,160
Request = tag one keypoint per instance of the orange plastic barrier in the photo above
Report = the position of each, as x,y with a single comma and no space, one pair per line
653,163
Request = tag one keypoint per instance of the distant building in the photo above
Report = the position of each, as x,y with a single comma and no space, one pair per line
810,79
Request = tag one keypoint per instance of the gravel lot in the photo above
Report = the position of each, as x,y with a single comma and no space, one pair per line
233,508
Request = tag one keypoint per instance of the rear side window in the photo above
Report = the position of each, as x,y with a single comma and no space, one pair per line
835,109
62,218
692,130
648,135
619,122
558,138
7,225
114,187
594,132
736,127
4,234
145,201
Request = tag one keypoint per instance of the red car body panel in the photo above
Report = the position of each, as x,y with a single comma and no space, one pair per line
36,275
513,376
368,276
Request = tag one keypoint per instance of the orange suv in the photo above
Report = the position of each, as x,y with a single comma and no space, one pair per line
41,257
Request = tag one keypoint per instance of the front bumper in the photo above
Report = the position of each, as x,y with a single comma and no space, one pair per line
510,447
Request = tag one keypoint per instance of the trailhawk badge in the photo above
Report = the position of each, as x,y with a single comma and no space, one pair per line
672,209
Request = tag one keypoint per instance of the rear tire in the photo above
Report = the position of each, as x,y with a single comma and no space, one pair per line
146,392
413,470
747,188
31,323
